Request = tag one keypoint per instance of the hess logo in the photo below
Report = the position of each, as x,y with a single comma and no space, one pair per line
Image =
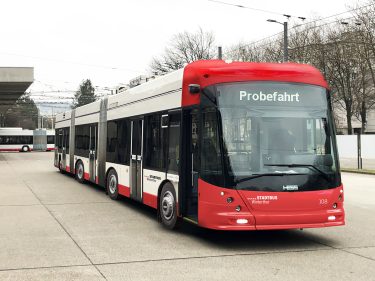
290,187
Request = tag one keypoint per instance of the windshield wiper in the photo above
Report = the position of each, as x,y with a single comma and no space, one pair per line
262,175
312,167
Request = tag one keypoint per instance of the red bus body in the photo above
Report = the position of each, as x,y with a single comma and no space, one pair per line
289,210
225,208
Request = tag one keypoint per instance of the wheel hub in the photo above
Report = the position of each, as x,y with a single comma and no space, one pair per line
80,171
167,205
112,184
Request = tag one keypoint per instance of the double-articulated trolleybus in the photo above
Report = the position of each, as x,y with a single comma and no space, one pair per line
230,146
17,139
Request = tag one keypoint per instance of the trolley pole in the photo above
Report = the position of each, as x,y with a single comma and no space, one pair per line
220,53
286,55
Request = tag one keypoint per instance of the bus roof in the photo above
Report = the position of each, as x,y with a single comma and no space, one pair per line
204,73
11,128
209,72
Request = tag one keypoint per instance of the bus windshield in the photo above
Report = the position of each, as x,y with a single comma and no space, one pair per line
275,136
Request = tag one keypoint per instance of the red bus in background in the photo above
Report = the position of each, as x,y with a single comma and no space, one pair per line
225,145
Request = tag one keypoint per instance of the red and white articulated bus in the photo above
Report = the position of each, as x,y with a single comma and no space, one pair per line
225,145
17,139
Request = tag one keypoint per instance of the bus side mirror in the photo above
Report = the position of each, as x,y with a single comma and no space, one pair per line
194,88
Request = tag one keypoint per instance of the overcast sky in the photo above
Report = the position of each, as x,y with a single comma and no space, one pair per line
111,41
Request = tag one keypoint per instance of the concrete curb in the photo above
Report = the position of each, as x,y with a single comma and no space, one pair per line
355,171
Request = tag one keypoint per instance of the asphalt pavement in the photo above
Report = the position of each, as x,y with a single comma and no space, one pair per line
54,228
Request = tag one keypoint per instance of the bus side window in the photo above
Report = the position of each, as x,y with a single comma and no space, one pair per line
154,150
174,142
211,161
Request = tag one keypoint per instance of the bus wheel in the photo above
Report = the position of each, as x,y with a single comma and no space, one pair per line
112,184
25,148
60,168
80,172
167,206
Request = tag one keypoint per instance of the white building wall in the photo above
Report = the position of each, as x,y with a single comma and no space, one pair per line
347,146
371,121
348,151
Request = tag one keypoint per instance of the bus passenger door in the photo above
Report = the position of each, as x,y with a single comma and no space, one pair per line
136,159
63,152
92,152
60,144
190,156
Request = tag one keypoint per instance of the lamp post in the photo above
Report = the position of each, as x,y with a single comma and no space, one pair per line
285,24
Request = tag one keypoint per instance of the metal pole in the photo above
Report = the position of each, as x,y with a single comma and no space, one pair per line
286,41
53,120
38,118
220,53
359,152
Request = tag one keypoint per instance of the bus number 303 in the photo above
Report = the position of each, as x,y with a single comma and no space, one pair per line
323,201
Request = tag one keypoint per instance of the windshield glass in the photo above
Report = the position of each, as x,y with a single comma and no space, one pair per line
275,136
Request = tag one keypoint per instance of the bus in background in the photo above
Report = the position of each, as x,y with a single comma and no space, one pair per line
50,140
17,139
224,145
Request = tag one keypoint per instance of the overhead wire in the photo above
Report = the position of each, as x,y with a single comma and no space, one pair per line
254,9
303,24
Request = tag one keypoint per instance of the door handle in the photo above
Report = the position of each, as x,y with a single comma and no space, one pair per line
134,157
192,169
139,157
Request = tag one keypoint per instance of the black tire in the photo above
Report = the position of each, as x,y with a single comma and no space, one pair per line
25,148
112,185
80,172
60,168
168,207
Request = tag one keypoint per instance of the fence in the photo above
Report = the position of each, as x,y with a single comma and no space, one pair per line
357,151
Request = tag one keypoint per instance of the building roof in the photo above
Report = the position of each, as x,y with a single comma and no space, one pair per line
14,81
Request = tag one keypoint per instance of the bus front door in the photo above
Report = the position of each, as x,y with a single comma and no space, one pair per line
190,155
136,159
92,152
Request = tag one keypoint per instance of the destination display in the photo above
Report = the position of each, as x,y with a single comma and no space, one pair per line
271,94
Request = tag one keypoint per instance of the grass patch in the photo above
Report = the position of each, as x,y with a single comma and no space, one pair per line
349,170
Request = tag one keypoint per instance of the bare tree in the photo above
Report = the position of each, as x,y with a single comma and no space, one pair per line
184,48
365,38
244,52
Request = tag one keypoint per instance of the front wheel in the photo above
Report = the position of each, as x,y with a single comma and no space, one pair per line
112,185
167,207
80,172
